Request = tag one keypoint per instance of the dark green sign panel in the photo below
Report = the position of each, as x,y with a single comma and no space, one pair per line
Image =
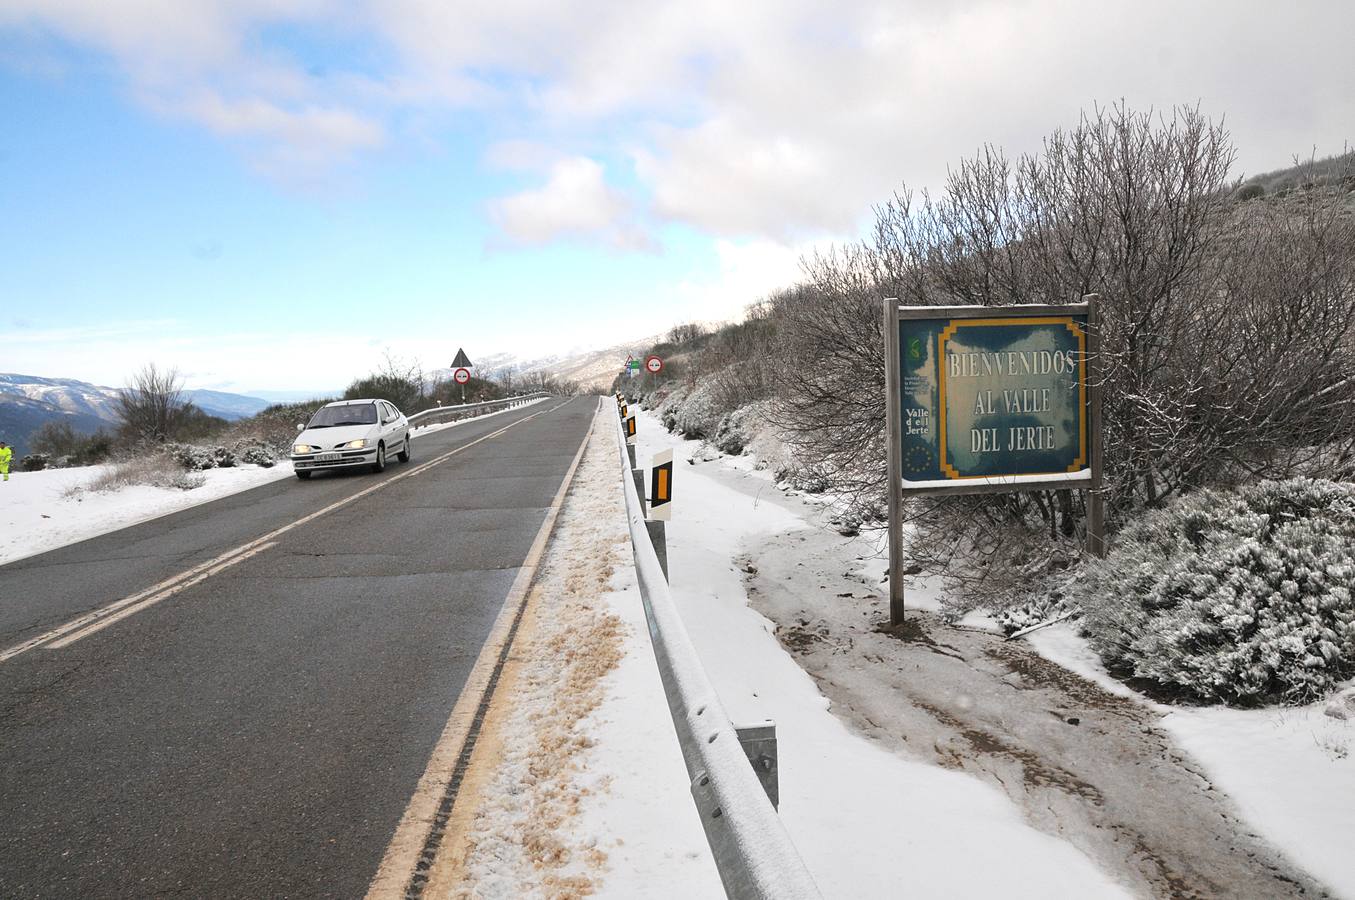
986,400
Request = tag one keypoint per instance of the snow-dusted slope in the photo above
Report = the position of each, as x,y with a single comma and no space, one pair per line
100,401
591,368
64,393
20,417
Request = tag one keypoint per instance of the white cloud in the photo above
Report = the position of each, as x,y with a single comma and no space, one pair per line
575,203
749,270
781,119
311,133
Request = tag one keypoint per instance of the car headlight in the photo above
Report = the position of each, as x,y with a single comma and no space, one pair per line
354,445
303,448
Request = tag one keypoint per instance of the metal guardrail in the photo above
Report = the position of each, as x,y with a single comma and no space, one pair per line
437,412
753,852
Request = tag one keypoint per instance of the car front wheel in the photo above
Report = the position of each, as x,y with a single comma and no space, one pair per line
404,454
380,464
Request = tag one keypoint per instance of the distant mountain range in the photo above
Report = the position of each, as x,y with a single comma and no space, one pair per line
27,402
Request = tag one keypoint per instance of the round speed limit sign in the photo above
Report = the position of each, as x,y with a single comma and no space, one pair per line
654,364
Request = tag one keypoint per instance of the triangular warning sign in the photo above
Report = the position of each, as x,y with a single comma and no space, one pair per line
462,361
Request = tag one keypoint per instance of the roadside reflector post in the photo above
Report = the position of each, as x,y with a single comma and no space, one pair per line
630,451
660,504
759,745
661,487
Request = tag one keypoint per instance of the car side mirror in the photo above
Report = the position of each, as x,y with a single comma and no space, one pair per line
300,426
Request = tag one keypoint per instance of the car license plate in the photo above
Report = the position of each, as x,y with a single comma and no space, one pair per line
327,456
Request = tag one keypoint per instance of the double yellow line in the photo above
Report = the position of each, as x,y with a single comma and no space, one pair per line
91,622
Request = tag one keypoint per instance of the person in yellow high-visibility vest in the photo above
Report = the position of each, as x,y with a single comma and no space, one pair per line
6,455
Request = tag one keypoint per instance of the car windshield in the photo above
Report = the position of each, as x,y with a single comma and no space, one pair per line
355,414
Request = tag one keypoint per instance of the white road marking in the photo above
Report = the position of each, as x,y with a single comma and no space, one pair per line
153,599
406,846
121,609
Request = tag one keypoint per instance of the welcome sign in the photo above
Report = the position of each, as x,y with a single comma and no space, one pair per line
992,398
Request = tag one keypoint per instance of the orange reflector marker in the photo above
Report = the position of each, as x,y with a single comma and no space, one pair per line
630,429
661,487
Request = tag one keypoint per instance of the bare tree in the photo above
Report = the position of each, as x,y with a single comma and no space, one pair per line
152,407
1227,326
686,333
400,382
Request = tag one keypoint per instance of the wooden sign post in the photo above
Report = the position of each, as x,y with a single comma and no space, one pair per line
985,399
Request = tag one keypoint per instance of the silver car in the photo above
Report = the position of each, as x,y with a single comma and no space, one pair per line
351,433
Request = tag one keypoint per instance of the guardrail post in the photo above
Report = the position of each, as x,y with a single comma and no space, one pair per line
639,476
659,539
630,451
759,744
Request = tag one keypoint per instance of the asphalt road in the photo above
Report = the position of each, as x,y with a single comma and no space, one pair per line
259,733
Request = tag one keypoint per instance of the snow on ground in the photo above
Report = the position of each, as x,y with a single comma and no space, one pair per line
868,822
1290,770
40,511
1292,773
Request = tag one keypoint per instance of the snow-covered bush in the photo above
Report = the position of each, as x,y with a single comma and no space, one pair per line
192,458
1241,598
35,462
257,454
671,405
737,430
251,451
698,416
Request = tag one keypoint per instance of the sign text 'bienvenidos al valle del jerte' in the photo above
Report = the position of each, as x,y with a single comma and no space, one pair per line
989,399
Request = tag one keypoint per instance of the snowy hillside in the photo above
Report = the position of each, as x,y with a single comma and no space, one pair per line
27,402
20,417
63,393
101,402
590,368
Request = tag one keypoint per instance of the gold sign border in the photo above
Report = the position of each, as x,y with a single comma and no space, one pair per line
949,331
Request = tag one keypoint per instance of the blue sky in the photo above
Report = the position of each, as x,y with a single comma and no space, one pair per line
272,195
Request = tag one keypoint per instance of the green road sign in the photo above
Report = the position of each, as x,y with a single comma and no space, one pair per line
994,398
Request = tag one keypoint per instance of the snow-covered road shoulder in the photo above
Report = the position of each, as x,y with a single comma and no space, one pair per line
577,786
867,821
41,511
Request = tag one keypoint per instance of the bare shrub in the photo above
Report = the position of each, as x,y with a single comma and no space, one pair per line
687,333
152,407
158,469
59,439
399,382
1226,337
